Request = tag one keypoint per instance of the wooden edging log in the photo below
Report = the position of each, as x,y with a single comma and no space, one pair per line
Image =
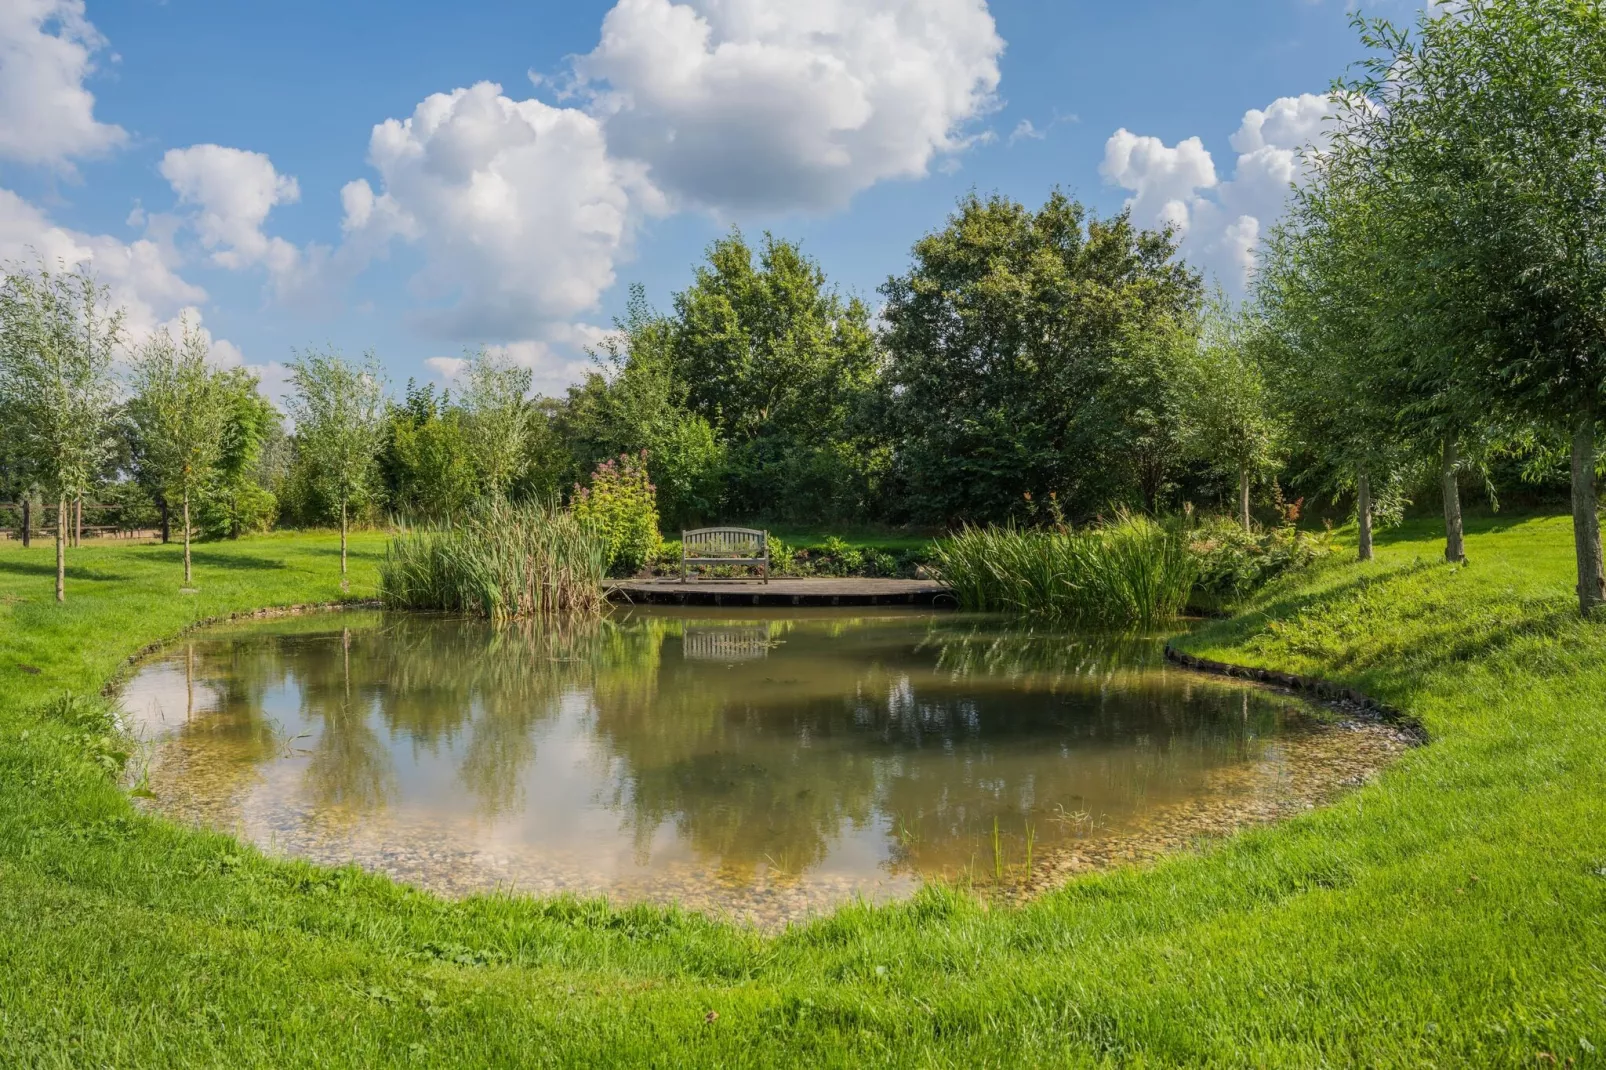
1321,690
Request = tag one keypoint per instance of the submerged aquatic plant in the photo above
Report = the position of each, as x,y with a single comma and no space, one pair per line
1135,570
504,561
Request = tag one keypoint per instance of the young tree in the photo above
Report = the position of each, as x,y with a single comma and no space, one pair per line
57,339
499,419
339,409
1229,420
181,407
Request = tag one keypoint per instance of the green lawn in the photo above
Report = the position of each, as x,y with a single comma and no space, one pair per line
1452,913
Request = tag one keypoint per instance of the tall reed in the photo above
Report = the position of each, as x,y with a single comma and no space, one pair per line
502,561
1134,570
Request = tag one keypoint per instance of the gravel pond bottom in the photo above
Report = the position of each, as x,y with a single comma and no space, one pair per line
762,766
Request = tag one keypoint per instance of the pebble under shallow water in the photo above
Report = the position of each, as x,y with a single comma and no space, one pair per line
757,768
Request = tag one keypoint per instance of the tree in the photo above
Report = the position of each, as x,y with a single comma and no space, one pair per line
1320,299
425,463
181,407
1229,419
777,363
338,408
57,340
240,497
637,400
1484,135
499,419
1019,345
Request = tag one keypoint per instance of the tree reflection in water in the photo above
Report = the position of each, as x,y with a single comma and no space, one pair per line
755,745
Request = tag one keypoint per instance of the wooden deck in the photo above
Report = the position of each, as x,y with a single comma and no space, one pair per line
852,591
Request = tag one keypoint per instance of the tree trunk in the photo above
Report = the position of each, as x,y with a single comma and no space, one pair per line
27,523
1455,550
186,538
166,527
1586,519
342,538
78,522
1363,513
1243,496
61,549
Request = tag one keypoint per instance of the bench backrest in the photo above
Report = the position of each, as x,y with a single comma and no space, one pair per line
724,542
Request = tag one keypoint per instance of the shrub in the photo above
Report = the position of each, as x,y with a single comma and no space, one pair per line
1234,562
503,561
622,504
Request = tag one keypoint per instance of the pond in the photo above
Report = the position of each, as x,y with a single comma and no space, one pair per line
761,765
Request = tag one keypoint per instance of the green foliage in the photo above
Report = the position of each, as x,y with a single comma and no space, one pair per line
57,339
1234,563
338,408
621,503
1229,418
425,463
783,368
181,407
498,419
1030,352
240,499
1134,570
503,561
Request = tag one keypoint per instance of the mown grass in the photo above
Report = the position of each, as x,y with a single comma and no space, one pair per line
1452,913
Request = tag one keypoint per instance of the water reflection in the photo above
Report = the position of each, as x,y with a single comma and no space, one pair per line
756,763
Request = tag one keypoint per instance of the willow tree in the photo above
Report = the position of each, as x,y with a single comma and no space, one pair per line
339,413
181,406
57,339
1485,130
1229,420
500,419
1321,297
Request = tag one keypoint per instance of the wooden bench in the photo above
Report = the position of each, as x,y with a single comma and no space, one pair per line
717,547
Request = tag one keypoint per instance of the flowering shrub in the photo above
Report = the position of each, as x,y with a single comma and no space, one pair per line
1234,562
622,503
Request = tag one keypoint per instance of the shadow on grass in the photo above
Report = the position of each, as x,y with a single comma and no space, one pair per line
353,553
232,562
1442,640
74,572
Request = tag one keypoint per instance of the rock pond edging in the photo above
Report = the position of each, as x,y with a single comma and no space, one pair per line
1322,690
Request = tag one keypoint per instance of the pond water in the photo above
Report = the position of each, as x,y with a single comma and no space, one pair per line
760,765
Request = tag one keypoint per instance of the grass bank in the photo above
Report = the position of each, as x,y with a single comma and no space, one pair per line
1451,913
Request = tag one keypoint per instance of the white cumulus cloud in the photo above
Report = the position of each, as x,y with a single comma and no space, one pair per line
231,192
1221,221
46,115
518,206
775,105
141,275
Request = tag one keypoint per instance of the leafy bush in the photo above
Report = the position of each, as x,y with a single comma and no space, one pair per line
1234,562
622,504
1132,571
504,562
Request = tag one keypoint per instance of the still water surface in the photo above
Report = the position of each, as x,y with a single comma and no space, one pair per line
761,765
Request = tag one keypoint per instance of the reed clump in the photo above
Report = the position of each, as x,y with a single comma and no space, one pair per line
1132,571
503,561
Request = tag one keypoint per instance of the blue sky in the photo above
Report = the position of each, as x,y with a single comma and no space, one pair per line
223,157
